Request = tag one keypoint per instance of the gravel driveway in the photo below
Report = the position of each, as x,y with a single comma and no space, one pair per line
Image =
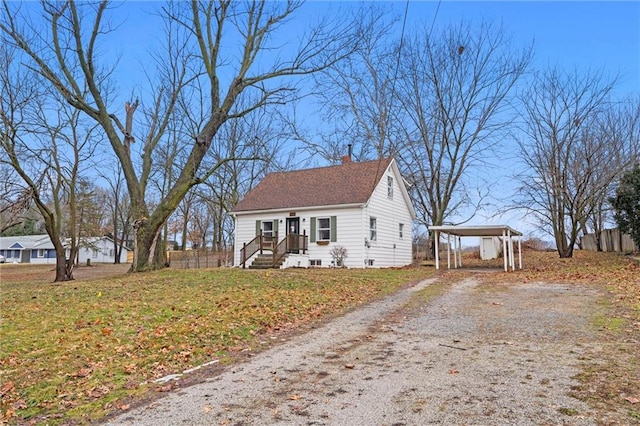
476,354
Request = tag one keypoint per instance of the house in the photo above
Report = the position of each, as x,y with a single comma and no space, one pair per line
310,217
39,249
28,249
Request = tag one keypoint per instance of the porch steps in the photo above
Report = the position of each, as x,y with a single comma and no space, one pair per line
264,261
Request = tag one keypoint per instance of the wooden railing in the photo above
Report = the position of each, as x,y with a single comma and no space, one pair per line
290,243
263,242
258,244
250,248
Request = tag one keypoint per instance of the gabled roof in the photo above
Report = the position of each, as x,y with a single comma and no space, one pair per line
26,242
347,183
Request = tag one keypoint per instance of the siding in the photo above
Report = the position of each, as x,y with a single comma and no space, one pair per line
348,233
389,213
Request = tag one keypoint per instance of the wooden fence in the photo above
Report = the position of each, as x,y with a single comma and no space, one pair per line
201,258
610,240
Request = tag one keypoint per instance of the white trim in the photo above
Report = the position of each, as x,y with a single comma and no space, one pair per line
298,209
318,228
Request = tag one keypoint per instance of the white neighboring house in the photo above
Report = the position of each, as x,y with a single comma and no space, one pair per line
39,249
99,250
301,216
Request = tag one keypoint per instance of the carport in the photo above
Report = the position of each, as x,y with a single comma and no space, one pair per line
457,232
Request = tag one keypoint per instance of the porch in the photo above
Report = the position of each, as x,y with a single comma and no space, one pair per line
278,250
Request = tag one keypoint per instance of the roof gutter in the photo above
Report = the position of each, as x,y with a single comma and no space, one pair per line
298,209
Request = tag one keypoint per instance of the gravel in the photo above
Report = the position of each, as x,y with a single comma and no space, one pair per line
476,355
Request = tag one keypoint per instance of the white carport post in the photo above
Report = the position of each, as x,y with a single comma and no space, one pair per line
504,249
520,250
512,261
460,248
436,236
448,251
455,252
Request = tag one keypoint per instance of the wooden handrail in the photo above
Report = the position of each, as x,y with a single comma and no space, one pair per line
291,241
252,247
261,242
280,250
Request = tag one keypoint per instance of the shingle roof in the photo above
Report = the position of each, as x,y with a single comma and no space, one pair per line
348,183
27,241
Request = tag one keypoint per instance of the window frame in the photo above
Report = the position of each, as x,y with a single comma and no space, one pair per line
373,228
267,233
41,253
390,187
320,229
401,231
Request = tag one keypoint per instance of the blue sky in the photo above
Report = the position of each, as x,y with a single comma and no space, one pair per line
572,35
598,34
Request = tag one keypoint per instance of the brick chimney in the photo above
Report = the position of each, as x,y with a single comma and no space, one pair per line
347,158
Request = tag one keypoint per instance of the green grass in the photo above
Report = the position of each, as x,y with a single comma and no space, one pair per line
73,352
612,324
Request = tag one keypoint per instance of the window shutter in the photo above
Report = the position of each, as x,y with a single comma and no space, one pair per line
275,227
312,233
258,228
334,226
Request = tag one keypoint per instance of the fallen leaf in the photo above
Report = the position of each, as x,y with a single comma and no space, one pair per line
165,388
632,399
349,366
207,409
295,397
6,388
453,371
84,372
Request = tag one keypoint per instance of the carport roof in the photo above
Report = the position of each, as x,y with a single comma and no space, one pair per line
477,230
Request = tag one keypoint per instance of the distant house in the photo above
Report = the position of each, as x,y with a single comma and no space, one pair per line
39,249
307,217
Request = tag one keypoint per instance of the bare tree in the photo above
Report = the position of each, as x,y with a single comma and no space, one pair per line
570,163
119,226
454,92
356,96
15,202
45,143
609,145
64,47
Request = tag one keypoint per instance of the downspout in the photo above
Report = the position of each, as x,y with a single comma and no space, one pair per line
365,235
235,240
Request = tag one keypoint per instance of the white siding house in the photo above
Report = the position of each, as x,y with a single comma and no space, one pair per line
99,250
39,249
361,207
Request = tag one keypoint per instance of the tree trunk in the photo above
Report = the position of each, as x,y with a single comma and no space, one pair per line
148,253
64,267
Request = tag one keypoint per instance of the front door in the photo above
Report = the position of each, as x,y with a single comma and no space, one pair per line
293,234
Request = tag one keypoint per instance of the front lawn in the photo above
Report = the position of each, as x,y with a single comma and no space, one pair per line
74,352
